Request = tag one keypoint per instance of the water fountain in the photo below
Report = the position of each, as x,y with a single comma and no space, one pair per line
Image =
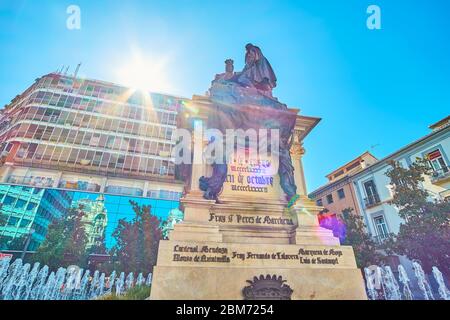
404,280
370,283
29,282
17,289
59,282
381,283
37,288
120,284
13,274
94,284
390,285
140,279
129,281
4,264
111,279
83,287
46,289
148,282
422,281
443,291
20,281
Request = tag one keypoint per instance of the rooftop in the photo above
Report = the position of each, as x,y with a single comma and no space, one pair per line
440,130
441,123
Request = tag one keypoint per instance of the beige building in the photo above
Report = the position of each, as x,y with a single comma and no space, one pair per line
339,194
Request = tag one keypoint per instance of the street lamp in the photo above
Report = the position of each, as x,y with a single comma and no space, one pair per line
27,243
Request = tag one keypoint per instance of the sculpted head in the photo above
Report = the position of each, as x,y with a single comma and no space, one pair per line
229,67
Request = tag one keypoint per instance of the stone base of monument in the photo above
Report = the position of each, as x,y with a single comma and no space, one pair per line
221,271
256,256
248,245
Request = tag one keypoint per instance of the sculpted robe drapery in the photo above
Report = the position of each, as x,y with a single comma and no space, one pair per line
257,71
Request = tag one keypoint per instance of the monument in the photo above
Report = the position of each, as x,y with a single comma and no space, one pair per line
249,229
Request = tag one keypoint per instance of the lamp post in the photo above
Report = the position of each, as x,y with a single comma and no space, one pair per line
27,243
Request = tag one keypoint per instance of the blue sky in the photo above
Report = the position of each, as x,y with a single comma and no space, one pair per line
377,88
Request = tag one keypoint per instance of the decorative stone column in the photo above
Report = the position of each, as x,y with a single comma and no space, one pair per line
297,151
198,165
305,210
195,226
6,173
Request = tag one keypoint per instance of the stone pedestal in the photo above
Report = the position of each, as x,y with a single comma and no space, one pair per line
211,270
308,230
195,226
220,247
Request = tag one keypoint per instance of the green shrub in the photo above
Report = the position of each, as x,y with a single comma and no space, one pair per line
136,293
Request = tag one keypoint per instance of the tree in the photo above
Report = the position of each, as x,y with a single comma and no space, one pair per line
12,243
137,241
65,243
99,247
366,251
425,234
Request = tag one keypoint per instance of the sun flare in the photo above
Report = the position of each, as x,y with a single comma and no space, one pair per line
146,73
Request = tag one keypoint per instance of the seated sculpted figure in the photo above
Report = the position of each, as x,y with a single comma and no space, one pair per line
258,72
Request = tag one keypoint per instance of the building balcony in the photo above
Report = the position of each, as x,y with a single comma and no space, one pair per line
372,201
79,185
41,182
441,176
380,239
124,191
164,195
103,171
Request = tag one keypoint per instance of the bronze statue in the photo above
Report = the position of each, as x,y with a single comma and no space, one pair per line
258,72
232,92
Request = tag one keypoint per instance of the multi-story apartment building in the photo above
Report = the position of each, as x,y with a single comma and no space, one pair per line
373,186
338,193
92,137
362,184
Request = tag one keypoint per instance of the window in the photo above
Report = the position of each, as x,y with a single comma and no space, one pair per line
330,199
341,193
20,204
24,223
437,161
13,221
339,173
31,206
353,166
319,202
371,192
8,200
381,227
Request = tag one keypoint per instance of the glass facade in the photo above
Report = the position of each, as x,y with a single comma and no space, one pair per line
29,211
26,209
